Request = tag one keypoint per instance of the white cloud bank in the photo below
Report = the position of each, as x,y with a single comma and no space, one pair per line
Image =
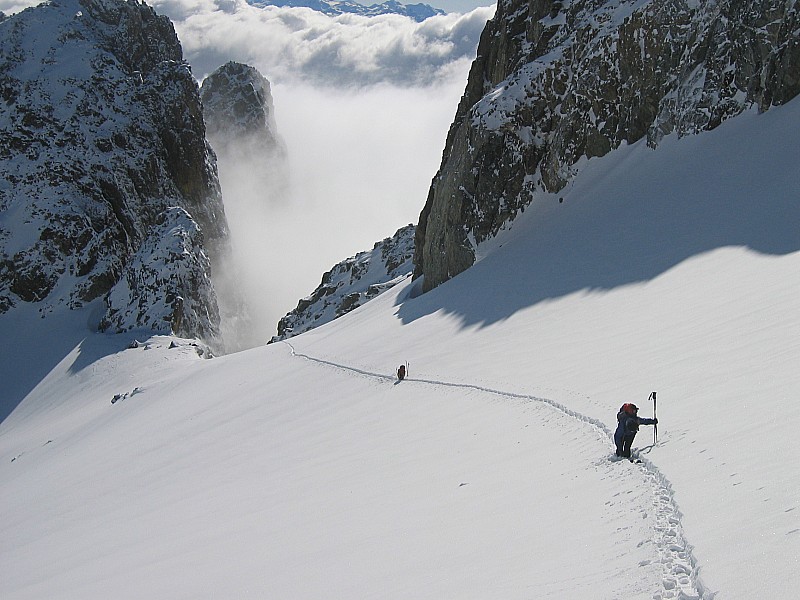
360,165
299,43
13,6
302,44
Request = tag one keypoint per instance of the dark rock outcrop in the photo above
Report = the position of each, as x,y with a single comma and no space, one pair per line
239,112
102,150
557,81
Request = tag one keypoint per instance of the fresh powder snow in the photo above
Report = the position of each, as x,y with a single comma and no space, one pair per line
134,468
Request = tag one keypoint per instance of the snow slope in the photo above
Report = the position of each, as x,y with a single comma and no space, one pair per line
306,471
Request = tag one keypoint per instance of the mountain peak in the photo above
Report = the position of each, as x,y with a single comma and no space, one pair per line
237,103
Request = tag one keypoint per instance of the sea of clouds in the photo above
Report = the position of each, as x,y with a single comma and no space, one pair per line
288,44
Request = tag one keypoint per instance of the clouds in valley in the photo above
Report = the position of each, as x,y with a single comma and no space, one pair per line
346,50
363,105
360,163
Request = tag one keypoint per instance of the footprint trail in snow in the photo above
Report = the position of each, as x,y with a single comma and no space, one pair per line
680,571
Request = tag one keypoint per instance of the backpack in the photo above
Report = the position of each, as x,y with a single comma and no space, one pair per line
401,372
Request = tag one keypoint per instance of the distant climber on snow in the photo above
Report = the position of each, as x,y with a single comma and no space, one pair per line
628,423
401,373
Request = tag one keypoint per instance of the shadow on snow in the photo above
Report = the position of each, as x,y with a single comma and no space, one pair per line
40,345
633,215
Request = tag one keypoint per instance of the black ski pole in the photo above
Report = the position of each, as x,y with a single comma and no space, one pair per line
655,426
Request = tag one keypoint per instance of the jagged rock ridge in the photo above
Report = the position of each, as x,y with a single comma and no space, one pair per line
351,283
555,81
104,169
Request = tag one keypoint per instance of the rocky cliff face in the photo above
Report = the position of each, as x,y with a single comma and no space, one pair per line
556,81
351,283
105,175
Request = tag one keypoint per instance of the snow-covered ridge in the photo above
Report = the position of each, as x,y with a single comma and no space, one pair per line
351,283
101,137
166,283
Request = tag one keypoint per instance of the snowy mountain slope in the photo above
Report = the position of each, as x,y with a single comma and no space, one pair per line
606,296
191,489
308,472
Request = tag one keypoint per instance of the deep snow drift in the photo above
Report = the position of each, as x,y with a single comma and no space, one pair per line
306,471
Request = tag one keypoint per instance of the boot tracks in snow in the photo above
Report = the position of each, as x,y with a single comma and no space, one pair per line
680,570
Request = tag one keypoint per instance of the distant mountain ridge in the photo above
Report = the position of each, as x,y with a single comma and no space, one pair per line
418,12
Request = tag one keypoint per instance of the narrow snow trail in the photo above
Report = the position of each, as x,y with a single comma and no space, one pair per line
679,567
